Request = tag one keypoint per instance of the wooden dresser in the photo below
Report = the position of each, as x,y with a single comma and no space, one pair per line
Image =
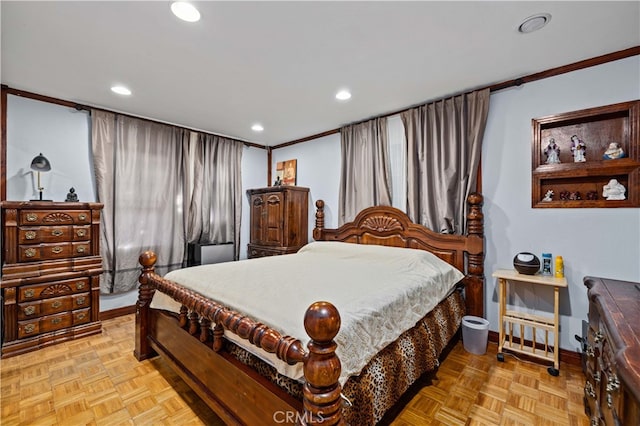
612,388
51,268
279,220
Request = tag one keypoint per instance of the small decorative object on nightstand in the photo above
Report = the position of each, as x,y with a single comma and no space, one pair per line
519,321
614,190
72,197
526,263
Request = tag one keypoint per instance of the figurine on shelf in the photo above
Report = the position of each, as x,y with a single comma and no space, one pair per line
614,152
579,149
575,196
552,151
564,195
592,195
72,196
278,181
548,196
614,190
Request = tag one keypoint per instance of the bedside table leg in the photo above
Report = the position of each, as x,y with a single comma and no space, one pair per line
502,311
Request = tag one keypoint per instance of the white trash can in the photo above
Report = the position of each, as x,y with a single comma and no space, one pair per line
475,331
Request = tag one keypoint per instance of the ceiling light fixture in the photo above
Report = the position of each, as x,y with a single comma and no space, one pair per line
343,95
534,23
185,11
257,128
121,90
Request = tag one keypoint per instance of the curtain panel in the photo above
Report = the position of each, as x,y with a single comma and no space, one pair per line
444,140
365,178
161,187
214,189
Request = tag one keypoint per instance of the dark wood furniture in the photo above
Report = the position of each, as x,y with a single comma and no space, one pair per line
237,393
597,127
279,220
612,388
51,267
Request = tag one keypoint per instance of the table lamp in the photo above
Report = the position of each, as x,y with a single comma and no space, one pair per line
40,164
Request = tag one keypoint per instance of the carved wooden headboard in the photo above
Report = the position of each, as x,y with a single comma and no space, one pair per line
388,226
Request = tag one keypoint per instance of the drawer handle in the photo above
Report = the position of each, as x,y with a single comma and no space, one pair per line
81,232
82,216
81,315
80,285
80,300
596,377
588,390
30,252
30,235
57,232
56,249
55,321
29,328
32,217
598,337
81,249
590,352
30,310
29,293
56,304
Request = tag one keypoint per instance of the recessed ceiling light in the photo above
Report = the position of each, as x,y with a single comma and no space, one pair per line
257,128
185,11
121,90
343,95
534,23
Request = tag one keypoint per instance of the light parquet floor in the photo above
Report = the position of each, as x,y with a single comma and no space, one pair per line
97,381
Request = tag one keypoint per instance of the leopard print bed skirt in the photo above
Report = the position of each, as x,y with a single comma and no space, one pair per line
390,373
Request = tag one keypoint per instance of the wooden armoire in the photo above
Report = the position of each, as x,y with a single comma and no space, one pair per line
279,220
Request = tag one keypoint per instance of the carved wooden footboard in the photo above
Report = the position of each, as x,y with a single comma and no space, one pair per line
191,342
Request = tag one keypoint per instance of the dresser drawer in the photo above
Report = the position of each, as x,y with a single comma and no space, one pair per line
44,234
54,217
44,324
32,253
52,289
81,316
45,307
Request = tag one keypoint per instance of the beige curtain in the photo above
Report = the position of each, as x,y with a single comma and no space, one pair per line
214,189
138,167
365,180
443,153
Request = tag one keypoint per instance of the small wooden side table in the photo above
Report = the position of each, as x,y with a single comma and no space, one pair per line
522,319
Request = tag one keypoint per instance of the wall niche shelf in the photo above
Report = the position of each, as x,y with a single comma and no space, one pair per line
597,128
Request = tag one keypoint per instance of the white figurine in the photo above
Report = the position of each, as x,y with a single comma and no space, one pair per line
613,190
552,151
579,149
548,196
613,152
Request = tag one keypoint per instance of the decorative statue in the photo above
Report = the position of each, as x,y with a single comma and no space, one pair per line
72,196
592,195
548,196
575,195
552,151
614,190
278,181
614,151
578,148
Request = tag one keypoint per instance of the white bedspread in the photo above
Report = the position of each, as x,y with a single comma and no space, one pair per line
379,291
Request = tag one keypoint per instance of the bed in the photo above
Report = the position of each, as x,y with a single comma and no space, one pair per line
208,343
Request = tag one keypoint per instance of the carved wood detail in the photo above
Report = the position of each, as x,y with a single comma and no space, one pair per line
382,224
56,289
57,217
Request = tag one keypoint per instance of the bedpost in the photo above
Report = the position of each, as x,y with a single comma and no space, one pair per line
321,394
474,282
317,231
145,293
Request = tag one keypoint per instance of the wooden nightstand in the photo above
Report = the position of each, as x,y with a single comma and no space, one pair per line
521,319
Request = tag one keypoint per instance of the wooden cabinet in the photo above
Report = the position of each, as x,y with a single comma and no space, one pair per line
51,268
612,387
279,220
581,183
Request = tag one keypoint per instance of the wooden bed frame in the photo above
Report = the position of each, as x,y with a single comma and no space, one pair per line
238,394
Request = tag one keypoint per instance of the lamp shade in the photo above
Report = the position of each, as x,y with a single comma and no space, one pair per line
40,163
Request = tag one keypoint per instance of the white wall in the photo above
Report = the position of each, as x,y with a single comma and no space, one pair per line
63,136
593,241
318,168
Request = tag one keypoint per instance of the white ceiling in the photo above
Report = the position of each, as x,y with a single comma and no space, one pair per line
281,63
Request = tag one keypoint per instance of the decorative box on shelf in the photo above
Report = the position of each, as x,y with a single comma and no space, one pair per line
587,158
